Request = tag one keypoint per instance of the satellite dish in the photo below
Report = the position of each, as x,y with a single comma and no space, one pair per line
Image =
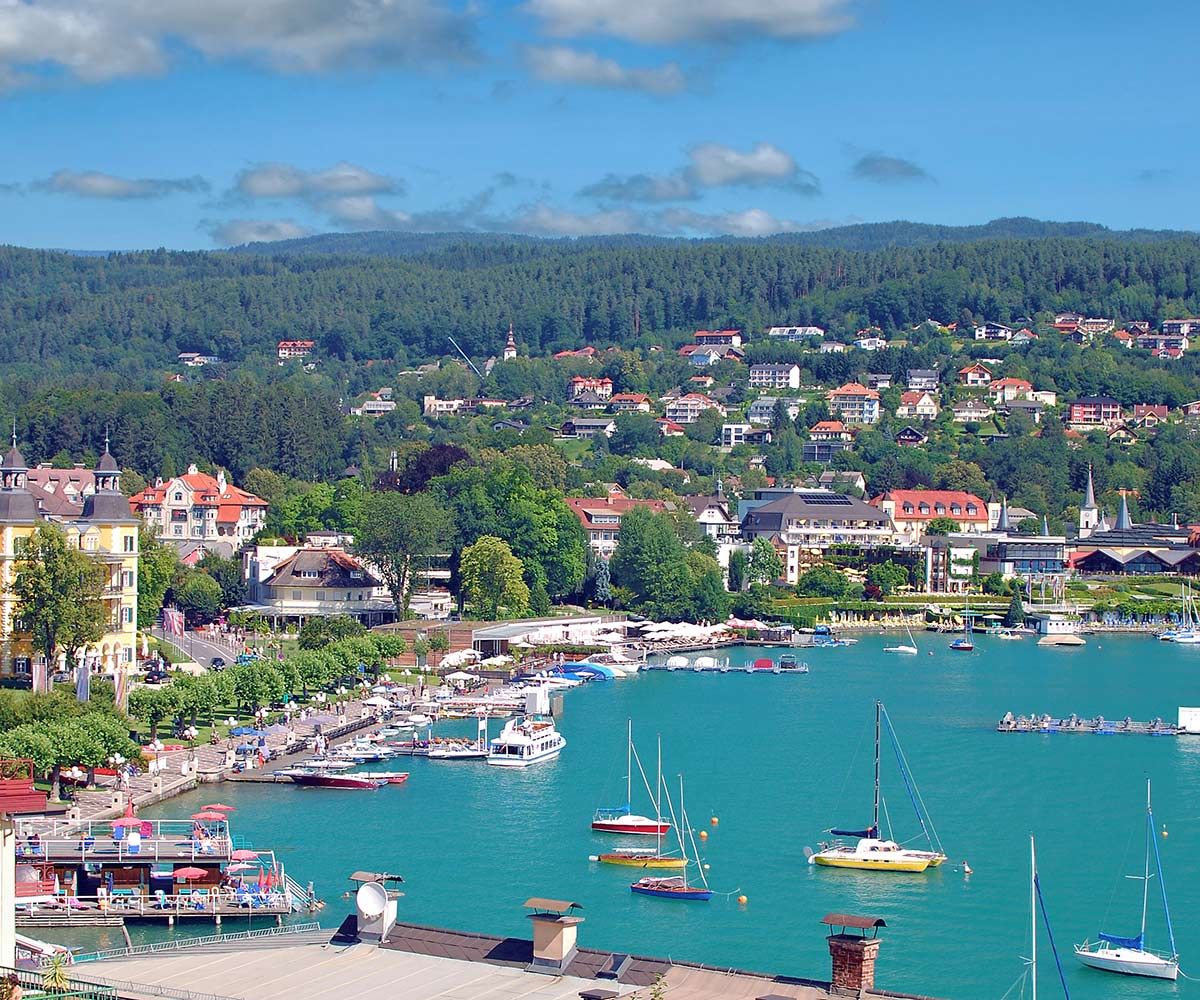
371,899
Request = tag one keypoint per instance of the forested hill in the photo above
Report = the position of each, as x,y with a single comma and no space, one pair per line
131,314
865,236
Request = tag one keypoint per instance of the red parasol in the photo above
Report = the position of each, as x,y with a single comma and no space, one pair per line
189,874
209,816
219,807
126,821
240,867
243,855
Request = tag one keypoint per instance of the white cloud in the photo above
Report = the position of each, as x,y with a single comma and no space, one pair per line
641,187
749,222
666,21
542,219
96,41
237,231
363,212
715,165
282,180
558,64
94,184
710,165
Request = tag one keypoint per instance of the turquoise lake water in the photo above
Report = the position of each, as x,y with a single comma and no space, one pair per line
779,759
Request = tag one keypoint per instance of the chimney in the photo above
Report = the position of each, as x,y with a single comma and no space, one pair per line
554,935
853,954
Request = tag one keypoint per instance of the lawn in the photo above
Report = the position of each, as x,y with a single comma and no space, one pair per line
573,449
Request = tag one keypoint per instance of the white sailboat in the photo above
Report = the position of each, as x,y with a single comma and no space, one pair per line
909,649
1129,955
1188,632
1036,902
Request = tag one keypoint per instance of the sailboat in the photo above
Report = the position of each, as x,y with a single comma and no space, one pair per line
622,819
1036,904
646,857
1188,632
871,852
910,649
1129,955
677,887
963,643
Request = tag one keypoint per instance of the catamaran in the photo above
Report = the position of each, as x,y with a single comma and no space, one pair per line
677,886
1129,955
871,852
622,819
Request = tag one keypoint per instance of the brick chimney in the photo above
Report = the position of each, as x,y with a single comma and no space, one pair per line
852,953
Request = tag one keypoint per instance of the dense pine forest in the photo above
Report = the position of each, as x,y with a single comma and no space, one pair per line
132,313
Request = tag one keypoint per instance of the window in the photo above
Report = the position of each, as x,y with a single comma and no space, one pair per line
127,616
296,595
908,508
127,578
320,595
955,509
177,529
940,508
179,498
924,508
130,543
971,509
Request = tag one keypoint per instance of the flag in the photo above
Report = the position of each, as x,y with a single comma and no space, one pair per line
83,682
173,622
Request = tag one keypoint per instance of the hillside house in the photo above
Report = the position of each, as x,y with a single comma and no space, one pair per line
912,510
762,410
579,384
718,338
855,403
919,405
1090,412
923,379
686,409
775,376
588,427
993,331
974,375
601,518
630,402
288,350
794,334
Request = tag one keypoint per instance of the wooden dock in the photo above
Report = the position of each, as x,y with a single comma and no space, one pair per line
1098,726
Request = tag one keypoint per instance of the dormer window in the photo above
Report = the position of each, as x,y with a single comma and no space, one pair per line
924,508
971,510
940,508
908,507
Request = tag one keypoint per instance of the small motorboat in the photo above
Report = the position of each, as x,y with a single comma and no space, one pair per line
457,751
384,777
675,887
323,779
765,663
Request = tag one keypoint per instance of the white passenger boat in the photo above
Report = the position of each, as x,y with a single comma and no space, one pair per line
531,739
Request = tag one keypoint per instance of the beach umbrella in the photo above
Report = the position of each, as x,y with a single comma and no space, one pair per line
244,855
126,821
219,807
209,817
377,703
189,874
239,867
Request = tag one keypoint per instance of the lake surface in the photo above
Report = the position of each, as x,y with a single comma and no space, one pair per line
779,759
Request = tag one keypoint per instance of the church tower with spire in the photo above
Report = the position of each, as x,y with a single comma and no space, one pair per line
1089,513
510,345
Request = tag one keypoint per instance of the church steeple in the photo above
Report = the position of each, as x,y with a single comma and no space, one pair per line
1124,521
14,472
1002,520
107,472
510,345
1089,513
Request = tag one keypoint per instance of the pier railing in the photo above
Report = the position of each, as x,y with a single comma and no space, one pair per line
203,901
32,985
178,944
105,848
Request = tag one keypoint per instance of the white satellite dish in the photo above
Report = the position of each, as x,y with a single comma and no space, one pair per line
371,899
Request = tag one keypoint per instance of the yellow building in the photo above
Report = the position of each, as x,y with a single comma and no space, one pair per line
103,526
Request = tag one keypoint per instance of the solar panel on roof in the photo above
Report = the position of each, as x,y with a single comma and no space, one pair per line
826,499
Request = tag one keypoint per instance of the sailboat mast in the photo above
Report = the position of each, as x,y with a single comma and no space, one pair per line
629,768
1033,911
875,813
658,799
1146,874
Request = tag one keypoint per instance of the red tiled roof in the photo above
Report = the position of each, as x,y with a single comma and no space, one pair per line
977,367
827,425
1016,383
913,397
932,498
586,508
854,389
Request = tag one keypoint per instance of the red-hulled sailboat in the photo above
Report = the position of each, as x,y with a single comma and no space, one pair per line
622,819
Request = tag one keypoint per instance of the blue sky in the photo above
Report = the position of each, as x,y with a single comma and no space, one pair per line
186,124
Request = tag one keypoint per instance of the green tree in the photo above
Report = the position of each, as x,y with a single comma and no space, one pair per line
399,533
764,564
493,579
158,564
710,600
199,597
153,705
887,576
822,581
1015,616
58,590
941,526
650,562
318,632
737,570
227,573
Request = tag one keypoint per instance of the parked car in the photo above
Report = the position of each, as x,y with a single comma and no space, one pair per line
216,663
157,676
18,682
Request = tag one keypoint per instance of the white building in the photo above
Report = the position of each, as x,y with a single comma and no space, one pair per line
686,409
775,376
762,410
198,507
794,334
855,403
295,583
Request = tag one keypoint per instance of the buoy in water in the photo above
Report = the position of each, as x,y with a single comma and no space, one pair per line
742,900
715,821
704,835
1164,830
706,867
